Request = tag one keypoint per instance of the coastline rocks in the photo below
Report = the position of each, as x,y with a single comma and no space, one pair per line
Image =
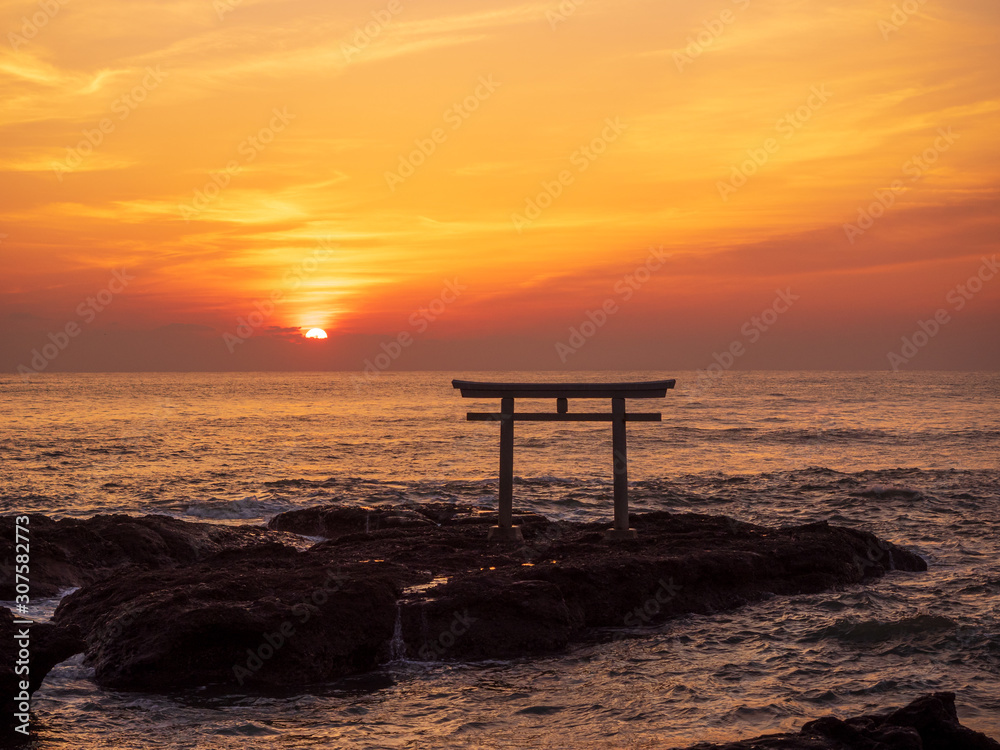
475,619
235,609
73,552
268,616
928,723
48,645
334,521
679,564
436,590
703,564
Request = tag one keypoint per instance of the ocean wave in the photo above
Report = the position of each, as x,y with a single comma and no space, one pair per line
534,442
834,435
247,729
880,631
291,483
884,492
548,479
247,508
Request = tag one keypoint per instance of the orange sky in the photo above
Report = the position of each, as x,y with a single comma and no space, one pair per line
376,168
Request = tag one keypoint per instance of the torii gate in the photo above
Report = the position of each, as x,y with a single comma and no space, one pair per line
505,531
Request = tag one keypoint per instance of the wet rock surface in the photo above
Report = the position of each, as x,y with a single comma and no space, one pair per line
680,563
262,616
421,582
73,552
333,521
928,723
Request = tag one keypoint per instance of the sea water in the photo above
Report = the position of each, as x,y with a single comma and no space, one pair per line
911,457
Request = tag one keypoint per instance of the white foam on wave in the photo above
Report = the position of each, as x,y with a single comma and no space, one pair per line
555,480
244,508
890,492
40,609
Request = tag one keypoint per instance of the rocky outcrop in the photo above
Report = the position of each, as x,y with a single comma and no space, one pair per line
430,587
928,723
334,521
73,552
27,654
246,618
474,618
679,564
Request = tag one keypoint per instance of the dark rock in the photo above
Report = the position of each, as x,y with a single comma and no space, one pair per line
935,719
265,616
472,619
431,579
691,563
679,564
49,645
73,552
334,521
928,723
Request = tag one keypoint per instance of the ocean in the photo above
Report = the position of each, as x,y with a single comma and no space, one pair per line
912,457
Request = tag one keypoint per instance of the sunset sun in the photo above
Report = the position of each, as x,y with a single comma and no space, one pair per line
315,333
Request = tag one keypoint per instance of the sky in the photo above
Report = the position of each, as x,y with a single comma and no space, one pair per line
586,184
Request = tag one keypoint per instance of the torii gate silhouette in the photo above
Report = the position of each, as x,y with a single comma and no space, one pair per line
505,531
